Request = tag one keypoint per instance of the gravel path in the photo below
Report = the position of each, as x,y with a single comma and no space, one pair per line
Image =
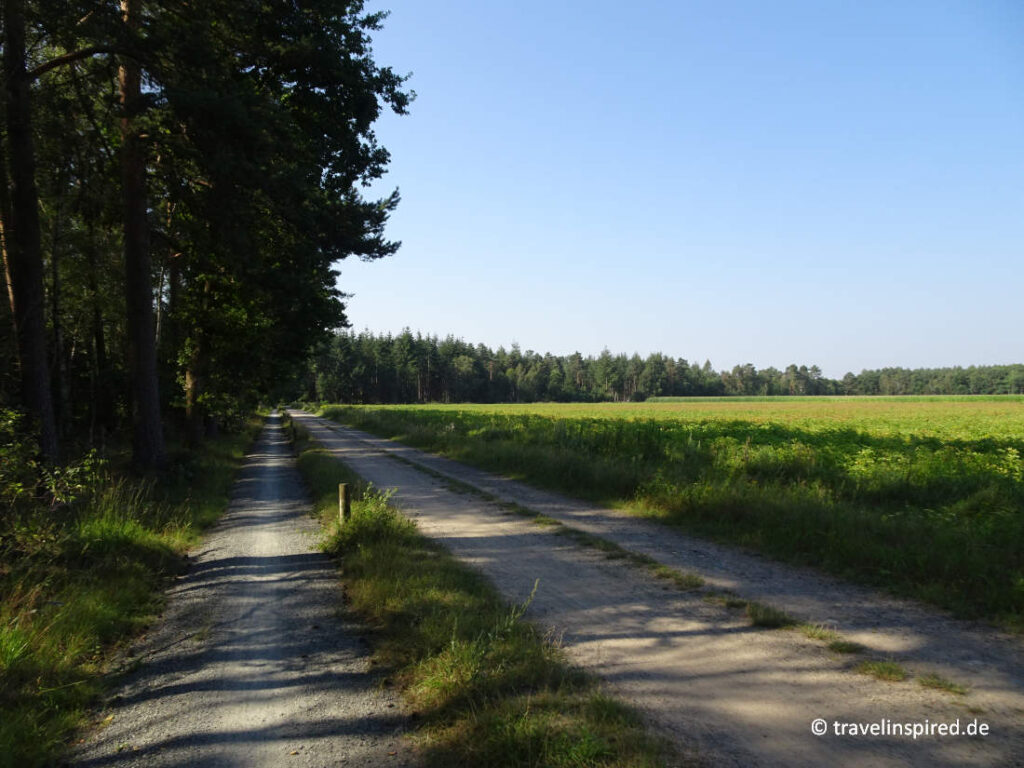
252,665
727,692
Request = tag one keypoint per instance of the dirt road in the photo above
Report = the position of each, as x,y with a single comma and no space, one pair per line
726,691
251,664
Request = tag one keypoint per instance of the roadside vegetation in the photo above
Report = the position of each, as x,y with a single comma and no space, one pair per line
484,686
84,554
924,497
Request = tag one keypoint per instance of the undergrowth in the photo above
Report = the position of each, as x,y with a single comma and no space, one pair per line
81,570
485,686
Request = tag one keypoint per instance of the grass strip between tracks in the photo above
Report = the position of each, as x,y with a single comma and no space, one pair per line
484,686
78,580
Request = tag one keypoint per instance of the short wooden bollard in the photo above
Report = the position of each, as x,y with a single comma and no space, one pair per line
344,502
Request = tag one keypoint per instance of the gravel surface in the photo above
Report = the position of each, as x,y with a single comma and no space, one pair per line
252,663
727,692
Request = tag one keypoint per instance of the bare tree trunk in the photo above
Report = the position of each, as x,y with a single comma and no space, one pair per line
169,336
195,380
9,332
62,388
148,450
102,401
165,268
5,216
160,306
22,237
195,413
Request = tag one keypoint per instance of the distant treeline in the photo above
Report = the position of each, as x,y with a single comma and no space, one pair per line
369,368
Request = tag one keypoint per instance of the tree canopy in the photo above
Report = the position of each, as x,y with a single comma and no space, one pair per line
178,181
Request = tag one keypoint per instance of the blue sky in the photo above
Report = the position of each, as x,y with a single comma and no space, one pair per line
828,183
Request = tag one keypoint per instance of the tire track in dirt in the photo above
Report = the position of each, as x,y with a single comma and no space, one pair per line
722,689
251,664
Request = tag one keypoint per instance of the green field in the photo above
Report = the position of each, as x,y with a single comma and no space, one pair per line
924,496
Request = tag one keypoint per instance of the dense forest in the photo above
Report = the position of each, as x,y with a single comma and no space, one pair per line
370,368
176,182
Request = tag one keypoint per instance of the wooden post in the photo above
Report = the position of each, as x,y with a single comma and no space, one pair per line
344,502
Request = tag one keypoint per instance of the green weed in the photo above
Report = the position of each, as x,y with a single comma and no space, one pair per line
765,616
942,684
888,670
832,639
819,632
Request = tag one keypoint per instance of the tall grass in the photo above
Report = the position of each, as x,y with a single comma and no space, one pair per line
930,512
78,579
486,688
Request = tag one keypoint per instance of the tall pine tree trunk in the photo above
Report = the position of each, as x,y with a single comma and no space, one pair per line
102,399
195,412
59,368
195,378
5,216
9,332
21,233
148,439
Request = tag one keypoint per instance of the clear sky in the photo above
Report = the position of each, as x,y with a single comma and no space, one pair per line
818,182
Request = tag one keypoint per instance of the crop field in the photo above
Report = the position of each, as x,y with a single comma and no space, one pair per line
923,496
